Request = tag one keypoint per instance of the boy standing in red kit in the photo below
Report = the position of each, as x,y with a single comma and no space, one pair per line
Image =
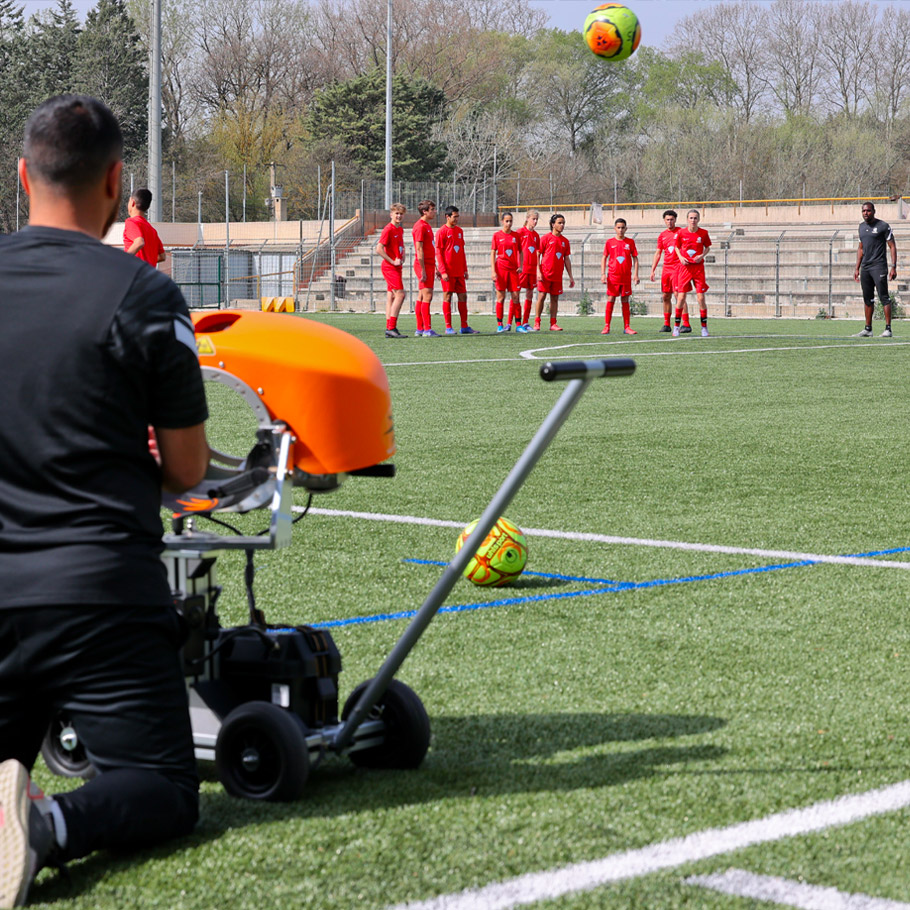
621,253
390,249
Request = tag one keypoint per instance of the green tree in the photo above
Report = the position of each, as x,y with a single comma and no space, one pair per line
53,39
574,91
352,114
14,104
110,64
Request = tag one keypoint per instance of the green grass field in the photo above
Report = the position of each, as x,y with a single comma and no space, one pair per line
685,690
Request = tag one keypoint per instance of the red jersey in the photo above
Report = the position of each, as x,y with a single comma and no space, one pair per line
689,245
666,241
530,249
554,248
450,252
508,250
136,227
620,254
423,234
392,241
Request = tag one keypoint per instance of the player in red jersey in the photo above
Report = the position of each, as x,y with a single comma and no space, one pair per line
452,265
505,253
621,254
139,237
390,249
692,244
666,243
554,257
424,267
530,249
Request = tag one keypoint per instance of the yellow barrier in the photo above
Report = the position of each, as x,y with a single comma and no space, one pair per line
277,304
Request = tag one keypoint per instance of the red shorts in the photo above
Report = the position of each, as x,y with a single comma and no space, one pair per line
527,280
455,285
689,275
553,288
668,281
620,288
506,279
393,280
427,281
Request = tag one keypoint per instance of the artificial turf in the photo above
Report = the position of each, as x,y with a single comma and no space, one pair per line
678,691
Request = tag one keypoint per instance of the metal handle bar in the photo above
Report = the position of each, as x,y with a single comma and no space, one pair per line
510,486
587,369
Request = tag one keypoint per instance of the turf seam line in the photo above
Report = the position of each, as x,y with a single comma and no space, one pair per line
700,845
634,541
771,888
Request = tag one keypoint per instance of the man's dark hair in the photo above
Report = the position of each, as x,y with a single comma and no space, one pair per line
554,217
451,210
71,140
425,206
669,212
142,198
621,221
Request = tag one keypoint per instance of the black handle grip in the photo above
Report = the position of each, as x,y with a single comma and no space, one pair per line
584,369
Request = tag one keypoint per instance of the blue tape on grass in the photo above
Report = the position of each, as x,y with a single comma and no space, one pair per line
607,588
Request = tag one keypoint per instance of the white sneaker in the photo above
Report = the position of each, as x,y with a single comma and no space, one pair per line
704,332
676,331
27,838
865,333
886,333
15,861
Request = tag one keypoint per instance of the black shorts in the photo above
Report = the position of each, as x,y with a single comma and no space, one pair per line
874,279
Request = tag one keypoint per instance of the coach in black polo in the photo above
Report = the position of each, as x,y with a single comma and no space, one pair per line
96,348
872,266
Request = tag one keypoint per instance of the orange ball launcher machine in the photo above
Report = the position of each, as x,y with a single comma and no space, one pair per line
264,698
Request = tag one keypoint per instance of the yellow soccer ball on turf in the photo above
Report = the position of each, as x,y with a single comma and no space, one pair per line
501,557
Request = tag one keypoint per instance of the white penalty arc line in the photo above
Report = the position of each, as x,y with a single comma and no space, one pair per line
548,353
585,876
787,555
533,353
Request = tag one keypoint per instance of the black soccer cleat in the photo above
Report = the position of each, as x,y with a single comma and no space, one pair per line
685,330
665,328
394,333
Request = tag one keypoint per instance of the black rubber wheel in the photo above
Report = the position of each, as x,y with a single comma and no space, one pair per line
407,728
62,752
261,753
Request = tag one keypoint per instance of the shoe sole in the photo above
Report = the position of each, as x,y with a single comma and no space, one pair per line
14,860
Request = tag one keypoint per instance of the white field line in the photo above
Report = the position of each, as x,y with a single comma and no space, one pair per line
549,885
740,883
787,555
682,349
532,354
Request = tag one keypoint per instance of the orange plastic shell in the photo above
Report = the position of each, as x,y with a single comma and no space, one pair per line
327,386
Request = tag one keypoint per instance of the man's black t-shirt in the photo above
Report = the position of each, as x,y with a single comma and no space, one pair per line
95,346
874,239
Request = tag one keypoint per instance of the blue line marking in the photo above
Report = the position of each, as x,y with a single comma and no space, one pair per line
607,588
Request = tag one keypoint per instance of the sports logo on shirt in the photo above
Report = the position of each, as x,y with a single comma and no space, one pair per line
509,252
457,247
530,249
559,255
620,259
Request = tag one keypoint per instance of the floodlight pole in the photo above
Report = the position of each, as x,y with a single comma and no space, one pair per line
388,107
154,131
